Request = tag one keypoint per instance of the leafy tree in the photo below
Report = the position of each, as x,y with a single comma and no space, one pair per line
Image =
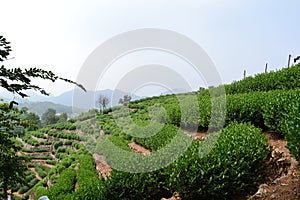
49,117
125,100
16,81
63,117
121,101
103,102
33,119
12,167
201,89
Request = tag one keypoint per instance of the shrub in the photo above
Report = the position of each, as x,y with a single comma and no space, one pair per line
125,185
68,142
161,135
88,179
23,189
33,182
120,142
57,144
292,134
234,164
61,156
246,108
38,134
284,79
64,184
51,162
63,126
62,150
66,162
40,171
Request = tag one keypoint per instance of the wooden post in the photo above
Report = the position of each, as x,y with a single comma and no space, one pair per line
266,68
289,61
244,74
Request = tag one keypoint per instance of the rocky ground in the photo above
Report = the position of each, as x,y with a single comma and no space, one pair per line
283,180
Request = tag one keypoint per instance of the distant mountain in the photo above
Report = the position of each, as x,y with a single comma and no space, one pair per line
40,107
87,100
77,99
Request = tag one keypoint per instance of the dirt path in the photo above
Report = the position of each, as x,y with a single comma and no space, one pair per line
196,135
39,139
25,145
102,167
35,173
42,162
76,184
138,148
48,165
16,194
283,180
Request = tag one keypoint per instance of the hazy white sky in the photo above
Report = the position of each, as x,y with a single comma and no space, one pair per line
59,35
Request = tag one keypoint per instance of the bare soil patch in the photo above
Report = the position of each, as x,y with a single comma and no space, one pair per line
139,148
196,135
283,178
102,167
35,173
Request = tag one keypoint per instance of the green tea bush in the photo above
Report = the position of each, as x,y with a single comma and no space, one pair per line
16,187
77,145
87,115
277,106
107,110
64,184
64,135
41,150
292,133
161,135
40,171
235,163
190,114
284,79
62,150
68,142
90,186
33,182
66,162
246,108
51,162
23,189
120,142
29,140
57,144
29,176
124,185
38,134
60,156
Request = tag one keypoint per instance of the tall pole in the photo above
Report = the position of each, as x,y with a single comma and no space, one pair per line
289,61
244,74
266,68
